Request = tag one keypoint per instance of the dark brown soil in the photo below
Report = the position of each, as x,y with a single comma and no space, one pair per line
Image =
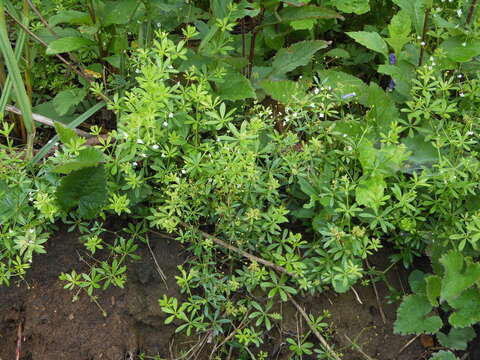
54,327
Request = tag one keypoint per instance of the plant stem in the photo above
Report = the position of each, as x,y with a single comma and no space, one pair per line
471,11
424,36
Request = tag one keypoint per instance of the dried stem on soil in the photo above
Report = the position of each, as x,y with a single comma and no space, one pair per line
251,257
45,121
19,341
379,303
408,344
278,269
358,348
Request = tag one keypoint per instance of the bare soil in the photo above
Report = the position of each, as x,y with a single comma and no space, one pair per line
41,314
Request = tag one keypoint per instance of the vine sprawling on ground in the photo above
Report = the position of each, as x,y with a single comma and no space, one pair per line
282,142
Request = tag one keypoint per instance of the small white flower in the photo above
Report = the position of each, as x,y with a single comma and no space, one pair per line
423,43
432,58
184,171
464,44
140,141
322,115
419,37
459,76
462,94
137,71
349,148
165,123
469,133
163,155
144,155
312,105
459,12
344,135
316,91
134,164
155,147
170,115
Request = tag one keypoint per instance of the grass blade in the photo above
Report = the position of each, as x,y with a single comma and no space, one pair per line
19,87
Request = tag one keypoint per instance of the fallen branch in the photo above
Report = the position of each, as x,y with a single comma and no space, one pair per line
314,330
19,341
251,257
278,269
45,120
379,303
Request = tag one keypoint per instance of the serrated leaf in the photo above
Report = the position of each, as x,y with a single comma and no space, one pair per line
64,133
342,83
67,44
412,316
9,201
119,12
467,307
67,99
371,40
370,191
85,188
284,91
443,355
416,280
457,338
235,87
299,54
86,158
460,274
399,30
358,7
434,287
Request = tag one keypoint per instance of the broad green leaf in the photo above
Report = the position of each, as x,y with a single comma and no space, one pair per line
457,338
416,11
67,44
342,84
416,280
460,274
299,54
306,24
382,108
443,355
402,73
85,188
370,191
72,17
370,40
284,91
119,12
338,53
235,87
460,49
390,159
67,99
467,307
64,133
413,316
10,201
86,158
399,30
358,7
434,287
367,155
423,153
289,14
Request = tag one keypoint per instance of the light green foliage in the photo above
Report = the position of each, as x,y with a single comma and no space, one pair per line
444,355
399,31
